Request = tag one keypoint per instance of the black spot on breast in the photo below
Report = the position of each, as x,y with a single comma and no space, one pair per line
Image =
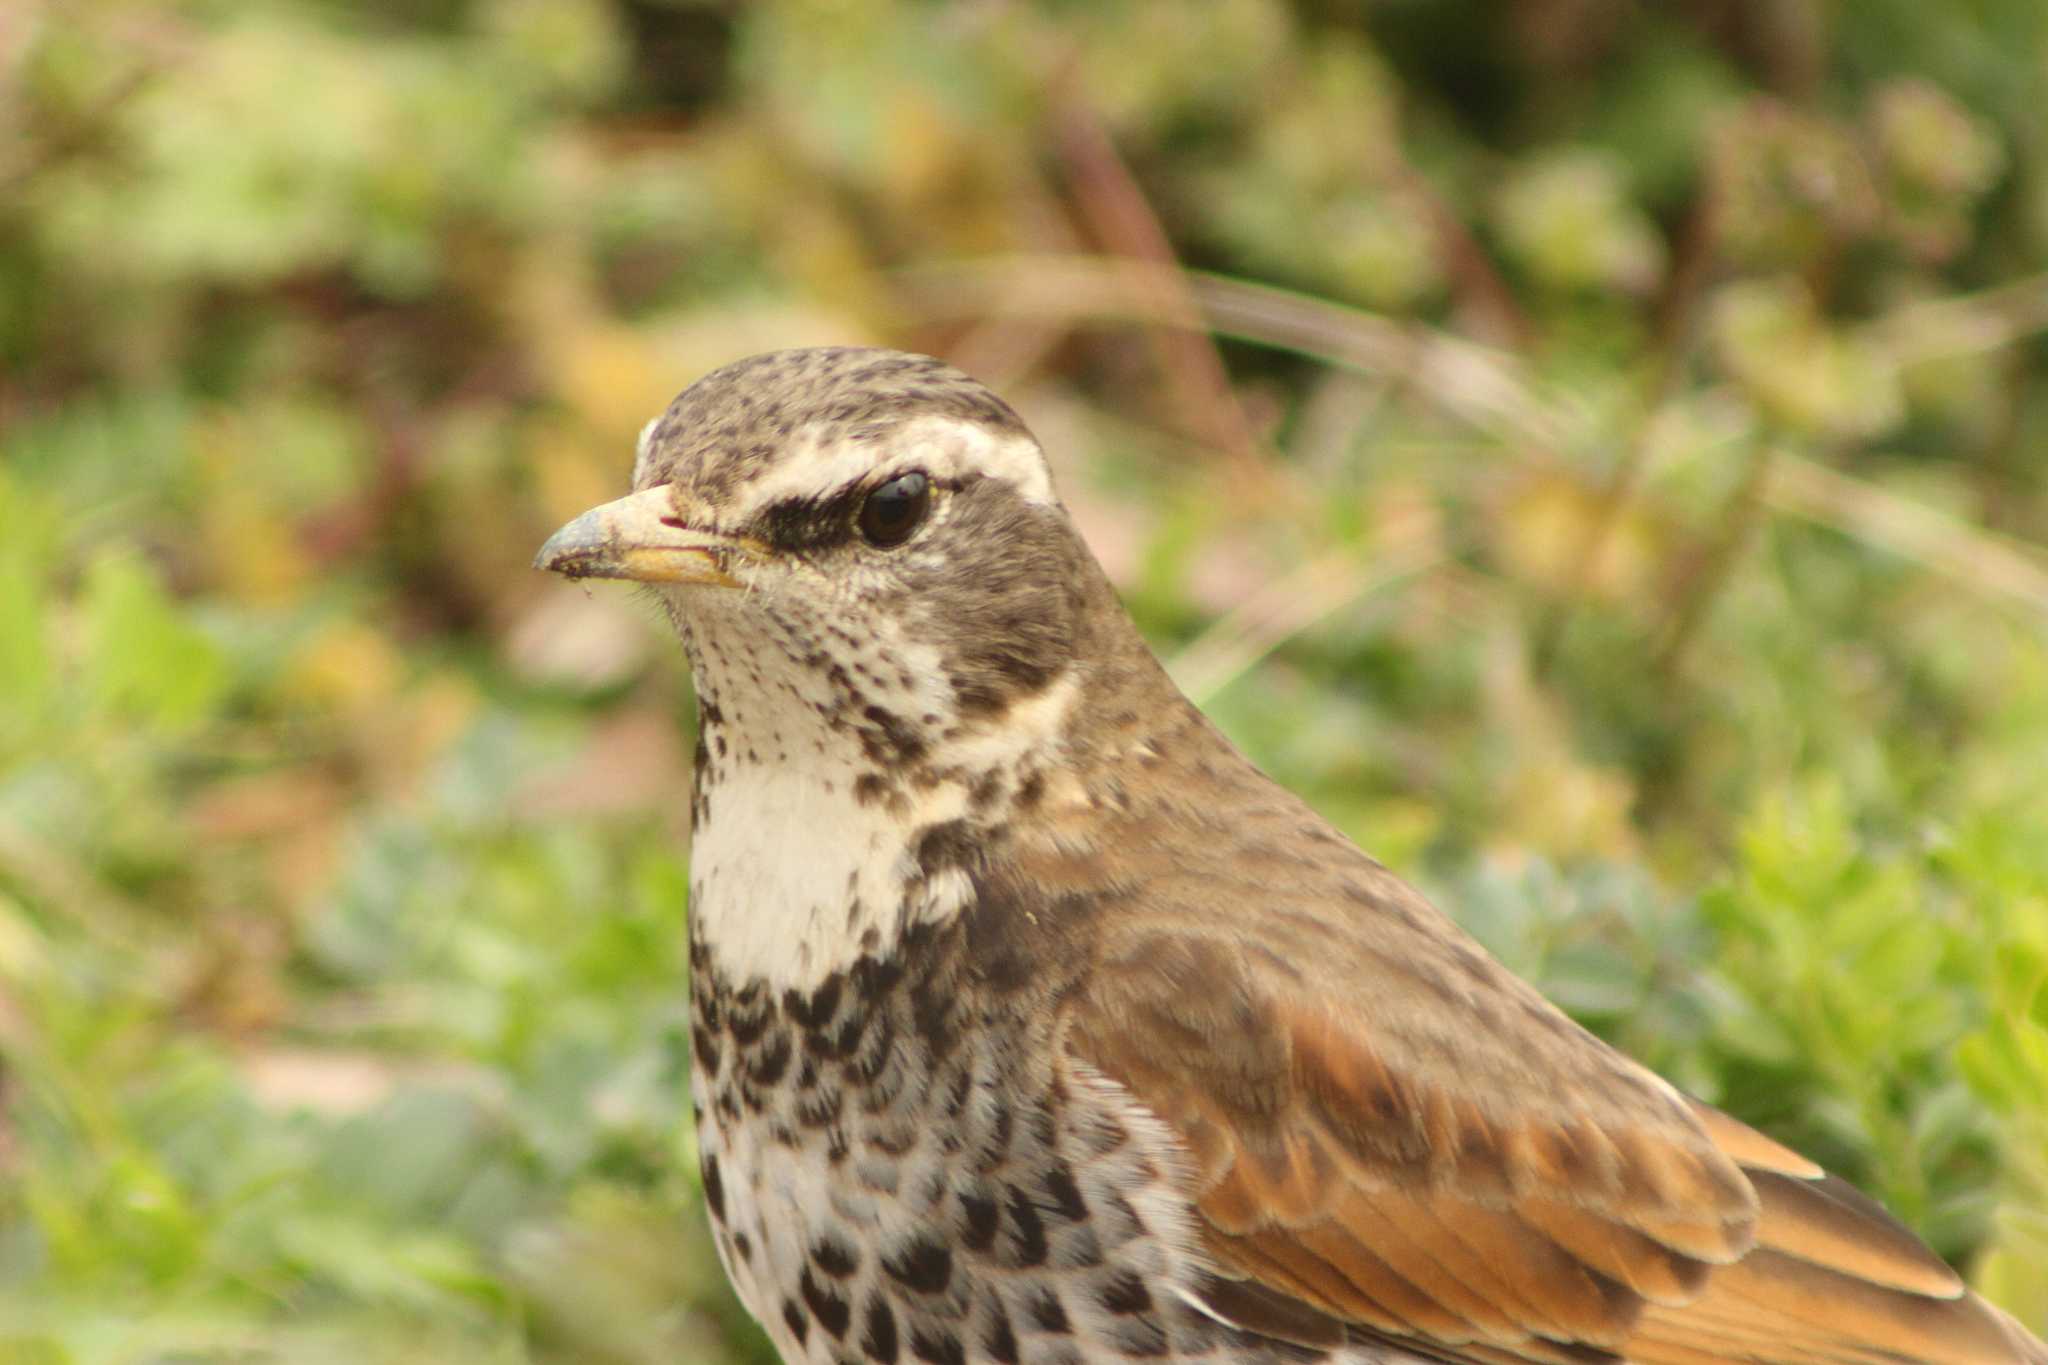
1125,1294
922,1265
982,1218
747,1021
890,740
948,845
1066,1195
1000,1339
714,1187
820,1108
1027,1230
1046,1311
705,1044
826,1305
936,1346
874,977
878,1335
767,1066
835,1257
743,1247
793,1318
835,1042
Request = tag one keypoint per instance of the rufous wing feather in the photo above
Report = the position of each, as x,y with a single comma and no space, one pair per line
1588,1212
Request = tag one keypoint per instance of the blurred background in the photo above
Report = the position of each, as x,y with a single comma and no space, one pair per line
1594,449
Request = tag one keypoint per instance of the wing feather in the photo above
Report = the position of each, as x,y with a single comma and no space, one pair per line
1590,1214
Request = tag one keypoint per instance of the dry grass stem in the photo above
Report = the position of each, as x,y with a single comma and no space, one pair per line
1489,390
1954,548
1477,384
1288,606
1971,324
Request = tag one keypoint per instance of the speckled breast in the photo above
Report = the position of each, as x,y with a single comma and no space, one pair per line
894,1172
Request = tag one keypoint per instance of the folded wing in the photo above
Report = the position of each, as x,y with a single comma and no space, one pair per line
1563,1205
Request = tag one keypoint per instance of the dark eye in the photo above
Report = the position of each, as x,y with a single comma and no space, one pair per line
895,509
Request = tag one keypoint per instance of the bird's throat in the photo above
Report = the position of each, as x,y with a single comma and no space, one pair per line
839,804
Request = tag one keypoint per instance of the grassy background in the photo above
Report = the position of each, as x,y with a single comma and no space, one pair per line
1595,450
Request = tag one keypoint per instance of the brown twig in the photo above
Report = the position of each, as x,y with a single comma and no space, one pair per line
1480,290
1678,324
1119,214
1701,583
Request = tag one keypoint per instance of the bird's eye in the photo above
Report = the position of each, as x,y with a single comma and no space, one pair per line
895,509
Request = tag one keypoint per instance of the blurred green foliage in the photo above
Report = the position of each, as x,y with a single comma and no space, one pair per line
1630,521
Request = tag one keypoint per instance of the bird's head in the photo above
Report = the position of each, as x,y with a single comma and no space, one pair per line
869,536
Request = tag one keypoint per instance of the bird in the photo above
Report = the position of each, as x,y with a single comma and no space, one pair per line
1033,1024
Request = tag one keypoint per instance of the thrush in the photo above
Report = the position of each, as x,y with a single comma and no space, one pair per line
1034,1025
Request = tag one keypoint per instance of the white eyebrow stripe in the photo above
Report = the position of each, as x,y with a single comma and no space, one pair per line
1011,456
943,447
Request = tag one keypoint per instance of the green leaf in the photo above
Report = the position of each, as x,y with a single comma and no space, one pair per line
26,663
145,659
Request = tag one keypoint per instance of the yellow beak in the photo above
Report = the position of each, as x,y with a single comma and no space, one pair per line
642,537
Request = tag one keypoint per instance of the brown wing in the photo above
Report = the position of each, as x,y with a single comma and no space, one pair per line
1497,1187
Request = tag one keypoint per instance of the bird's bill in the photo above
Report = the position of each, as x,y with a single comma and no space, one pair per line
639,537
